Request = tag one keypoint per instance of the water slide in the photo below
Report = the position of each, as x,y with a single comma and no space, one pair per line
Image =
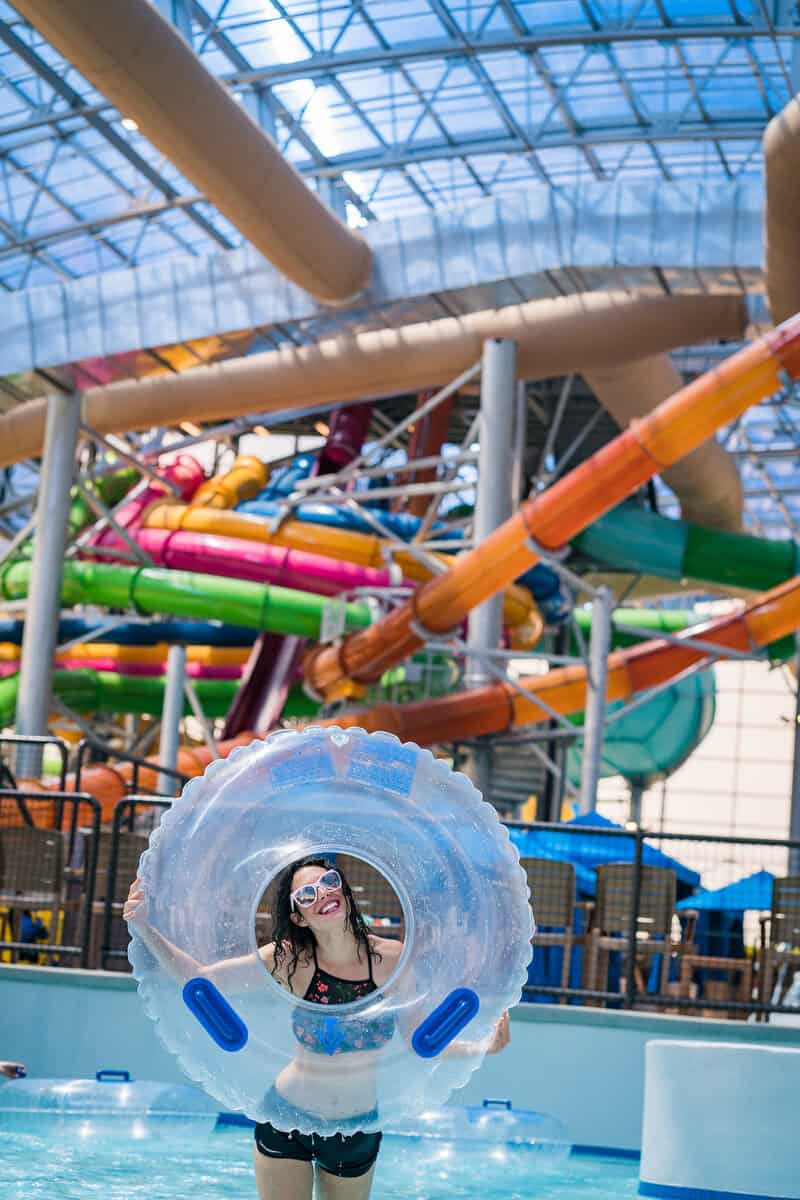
591,331
500,707
186,594
553,518
137,633
202,662
634,539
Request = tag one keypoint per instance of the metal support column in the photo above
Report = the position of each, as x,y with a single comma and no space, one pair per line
493,506
520,441
794,811
594,717
556,750
171,716
44,594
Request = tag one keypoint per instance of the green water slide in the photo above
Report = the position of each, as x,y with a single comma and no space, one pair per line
110,489
187,594
630,538
88,691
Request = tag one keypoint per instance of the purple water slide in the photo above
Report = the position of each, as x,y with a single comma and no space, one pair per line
271,669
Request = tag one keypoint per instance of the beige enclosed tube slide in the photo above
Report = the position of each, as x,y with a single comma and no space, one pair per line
139,61
706,481
782,211
589,332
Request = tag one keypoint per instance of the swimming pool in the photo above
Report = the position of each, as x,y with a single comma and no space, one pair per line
33,1166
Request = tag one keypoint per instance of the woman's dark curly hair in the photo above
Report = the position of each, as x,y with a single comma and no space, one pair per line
292,940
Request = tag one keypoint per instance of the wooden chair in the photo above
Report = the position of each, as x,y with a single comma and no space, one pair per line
130,848
611,922
31,877
738,985
780,934
552,886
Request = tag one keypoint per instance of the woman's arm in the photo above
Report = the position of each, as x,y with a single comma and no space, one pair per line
177,963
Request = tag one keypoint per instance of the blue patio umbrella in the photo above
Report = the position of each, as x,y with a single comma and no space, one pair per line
589,851
751,893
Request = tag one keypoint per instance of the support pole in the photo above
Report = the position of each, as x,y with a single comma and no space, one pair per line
556,750
794,811
171,716
594,717
44,596
493,506
636,788
520,440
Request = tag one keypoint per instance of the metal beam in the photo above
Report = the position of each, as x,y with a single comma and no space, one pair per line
96,226
409,52
692,132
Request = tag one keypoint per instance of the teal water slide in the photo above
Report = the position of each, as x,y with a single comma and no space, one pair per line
653,740
656,738
630,538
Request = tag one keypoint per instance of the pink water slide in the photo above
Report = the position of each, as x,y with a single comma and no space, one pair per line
213,554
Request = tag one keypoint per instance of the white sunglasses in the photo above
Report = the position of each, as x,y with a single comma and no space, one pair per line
305,896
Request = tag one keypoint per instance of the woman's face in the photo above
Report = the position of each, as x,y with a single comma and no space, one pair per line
329,908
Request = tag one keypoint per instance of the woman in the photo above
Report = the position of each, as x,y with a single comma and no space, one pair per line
323,952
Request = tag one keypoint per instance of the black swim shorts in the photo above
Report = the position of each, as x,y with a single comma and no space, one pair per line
346,1156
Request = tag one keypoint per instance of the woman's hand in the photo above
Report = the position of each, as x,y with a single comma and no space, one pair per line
135,910
501,1036
12,1070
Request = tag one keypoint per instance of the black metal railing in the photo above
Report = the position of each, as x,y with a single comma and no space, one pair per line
125,813
93,750
622,919
47,868
16,746
679,948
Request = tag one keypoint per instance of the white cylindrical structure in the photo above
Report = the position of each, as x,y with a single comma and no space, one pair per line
44,597
720,1119
493,506
595,716
171,716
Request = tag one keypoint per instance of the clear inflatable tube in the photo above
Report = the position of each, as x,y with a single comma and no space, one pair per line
111,1104
425,828
494,1121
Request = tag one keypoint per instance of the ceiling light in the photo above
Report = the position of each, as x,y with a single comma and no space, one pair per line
261,430
322,429
190,428
129,123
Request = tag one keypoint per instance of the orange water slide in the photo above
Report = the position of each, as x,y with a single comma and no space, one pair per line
501,707
676,427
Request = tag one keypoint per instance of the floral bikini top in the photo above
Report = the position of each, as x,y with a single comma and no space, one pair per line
326,1034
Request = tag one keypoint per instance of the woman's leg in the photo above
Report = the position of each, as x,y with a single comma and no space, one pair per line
336,1187
285,1178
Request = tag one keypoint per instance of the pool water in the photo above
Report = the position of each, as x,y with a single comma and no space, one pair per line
33,1166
